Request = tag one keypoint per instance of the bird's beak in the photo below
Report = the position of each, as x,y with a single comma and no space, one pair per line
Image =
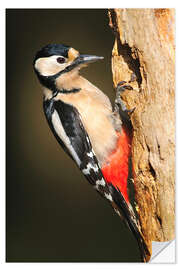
84,58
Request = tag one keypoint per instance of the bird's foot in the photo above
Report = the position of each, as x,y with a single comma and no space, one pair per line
119,103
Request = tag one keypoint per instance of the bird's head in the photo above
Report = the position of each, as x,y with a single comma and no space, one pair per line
55,60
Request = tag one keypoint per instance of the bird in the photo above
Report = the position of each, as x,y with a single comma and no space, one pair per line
88,128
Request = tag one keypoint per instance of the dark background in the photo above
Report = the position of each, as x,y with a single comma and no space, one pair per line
53,214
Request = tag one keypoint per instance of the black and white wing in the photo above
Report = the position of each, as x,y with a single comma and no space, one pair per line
66,125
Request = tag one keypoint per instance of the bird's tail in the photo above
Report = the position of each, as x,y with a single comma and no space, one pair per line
144,252
127,213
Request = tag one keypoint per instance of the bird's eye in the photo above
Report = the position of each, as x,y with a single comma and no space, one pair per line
60,60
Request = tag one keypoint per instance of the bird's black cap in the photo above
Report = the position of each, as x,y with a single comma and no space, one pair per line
52,49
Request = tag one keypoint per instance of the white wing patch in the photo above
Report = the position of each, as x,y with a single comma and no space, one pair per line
91,154
108,196
89,167
62,134
101,182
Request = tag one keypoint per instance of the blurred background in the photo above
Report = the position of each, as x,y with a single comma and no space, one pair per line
53,214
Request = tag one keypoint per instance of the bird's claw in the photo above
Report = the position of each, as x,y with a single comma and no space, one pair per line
121,87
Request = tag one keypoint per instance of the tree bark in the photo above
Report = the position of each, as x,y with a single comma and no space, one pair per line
144,46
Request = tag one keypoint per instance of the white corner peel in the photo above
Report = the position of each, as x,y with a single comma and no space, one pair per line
163,252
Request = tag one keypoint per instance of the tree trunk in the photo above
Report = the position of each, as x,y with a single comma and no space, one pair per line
144,46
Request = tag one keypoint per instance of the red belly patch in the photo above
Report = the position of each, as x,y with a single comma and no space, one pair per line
116,169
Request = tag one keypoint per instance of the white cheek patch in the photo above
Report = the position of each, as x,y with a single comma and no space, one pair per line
62,134
48,66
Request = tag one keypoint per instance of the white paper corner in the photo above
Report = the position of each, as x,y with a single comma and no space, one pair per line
163,252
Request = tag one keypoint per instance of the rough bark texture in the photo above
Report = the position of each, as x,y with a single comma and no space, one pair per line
144,45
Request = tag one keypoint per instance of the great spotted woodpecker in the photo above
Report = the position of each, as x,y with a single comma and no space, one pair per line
89,130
